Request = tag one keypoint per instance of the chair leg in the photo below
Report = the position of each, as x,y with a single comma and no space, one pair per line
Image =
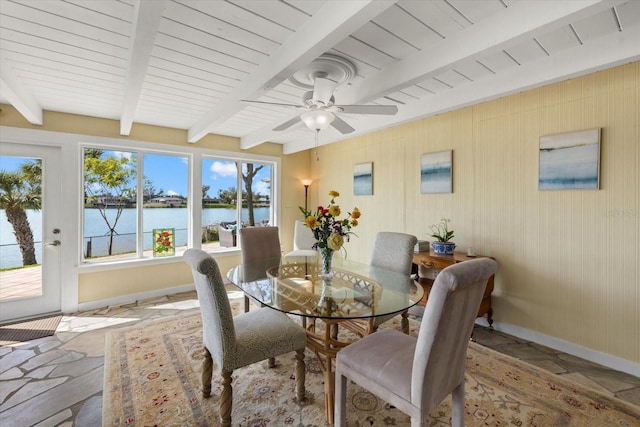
207,372
300,376
226,399
404,323
246,304
340,399
271,362
457,406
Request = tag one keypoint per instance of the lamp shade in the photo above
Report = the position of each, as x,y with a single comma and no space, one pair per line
306,182
317,119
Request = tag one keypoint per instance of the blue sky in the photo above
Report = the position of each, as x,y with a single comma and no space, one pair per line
169,173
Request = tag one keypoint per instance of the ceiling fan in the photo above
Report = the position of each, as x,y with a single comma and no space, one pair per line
320,111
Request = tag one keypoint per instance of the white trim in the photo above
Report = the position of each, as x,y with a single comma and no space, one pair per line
131,298
591,355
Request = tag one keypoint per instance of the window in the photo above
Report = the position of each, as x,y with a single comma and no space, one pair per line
110,184
131,194
224,209
111,208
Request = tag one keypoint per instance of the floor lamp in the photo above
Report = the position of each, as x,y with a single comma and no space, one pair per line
306,182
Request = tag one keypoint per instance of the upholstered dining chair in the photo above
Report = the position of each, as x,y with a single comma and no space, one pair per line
233,342
391,251
258,243
303,241
415,375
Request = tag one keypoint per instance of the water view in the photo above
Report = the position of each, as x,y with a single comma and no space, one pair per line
96,229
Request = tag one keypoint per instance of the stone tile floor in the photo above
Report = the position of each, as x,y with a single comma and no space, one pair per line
57,381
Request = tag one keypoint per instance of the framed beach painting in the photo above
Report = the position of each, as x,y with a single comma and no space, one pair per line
363,179
570,161
435,172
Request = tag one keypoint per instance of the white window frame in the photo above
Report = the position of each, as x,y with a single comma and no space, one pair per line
195,156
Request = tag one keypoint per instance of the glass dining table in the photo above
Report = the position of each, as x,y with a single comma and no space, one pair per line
295,286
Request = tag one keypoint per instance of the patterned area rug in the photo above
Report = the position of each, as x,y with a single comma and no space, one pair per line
18,332
152,377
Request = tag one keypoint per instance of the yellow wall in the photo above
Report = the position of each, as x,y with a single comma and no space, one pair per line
569,260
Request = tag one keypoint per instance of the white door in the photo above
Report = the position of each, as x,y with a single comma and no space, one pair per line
35,290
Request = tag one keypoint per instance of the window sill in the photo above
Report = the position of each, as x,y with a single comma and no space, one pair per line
96,266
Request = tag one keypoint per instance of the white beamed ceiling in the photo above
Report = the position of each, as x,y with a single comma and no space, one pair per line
189,64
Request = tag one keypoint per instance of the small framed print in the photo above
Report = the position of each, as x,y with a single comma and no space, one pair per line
435,172
164,242
363,179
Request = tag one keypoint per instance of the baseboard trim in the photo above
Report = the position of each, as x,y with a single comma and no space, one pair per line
594,356
131,298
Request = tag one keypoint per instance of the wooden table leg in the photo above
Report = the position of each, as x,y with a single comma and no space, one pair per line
329,390
325,346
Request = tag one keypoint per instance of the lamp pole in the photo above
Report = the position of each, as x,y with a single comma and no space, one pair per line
306,190
306,183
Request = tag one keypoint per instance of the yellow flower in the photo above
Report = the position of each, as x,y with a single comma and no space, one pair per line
335,241
354,223
312,222
356,213
334,193
334,211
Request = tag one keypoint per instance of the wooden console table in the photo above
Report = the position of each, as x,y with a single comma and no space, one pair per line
430,260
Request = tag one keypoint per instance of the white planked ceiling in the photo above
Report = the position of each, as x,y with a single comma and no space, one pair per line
188,64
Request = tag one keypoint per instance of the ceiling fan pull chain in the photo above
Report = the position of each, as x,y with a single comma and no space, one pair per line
317,133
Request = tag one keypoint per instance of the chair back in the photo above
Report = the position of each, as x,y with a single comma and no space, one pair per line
441,348
259,243
302,236
218,332
394,251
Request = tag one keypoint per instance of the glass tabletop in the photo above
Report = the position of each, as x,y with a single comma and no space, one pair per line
293,285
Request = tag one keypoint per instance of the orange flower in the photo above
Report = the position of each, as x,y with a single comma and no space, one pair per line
356,213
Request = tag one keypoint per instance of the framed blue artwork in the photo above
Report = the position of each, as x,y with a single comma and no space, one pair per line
435,172
570,161
363,179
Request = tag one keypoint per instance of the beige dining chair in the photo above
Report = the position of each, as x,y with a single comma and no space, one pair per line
233,342
415,375
258,243
394,252
303,240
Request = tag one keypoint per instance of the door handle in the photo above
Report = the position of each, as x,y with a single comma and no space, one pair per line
54,243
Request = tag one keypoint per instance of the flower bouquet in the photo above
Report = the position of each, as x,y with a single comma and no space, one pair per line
330,231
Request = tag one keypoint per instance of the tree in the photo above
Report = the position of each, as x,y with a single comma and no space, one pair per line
205,191
228,196
19,191
247,178
149,191
109,184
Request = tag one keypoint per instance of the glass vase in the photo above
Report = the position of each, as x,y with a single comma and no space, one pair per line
326,262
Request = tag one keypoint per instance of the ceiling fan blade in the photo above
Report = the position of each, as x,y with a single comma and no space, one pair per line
341,125
323,89
287,124
388,110
272,103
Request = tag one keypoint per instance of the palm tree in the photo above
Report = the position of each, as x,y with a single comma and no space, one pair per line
19,191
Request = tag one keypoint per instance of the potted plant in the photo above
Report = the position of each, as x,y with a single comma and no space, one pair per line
443,245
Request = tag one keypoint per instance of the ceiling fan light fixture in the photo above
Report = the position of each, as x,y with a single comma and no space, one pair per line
318,119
